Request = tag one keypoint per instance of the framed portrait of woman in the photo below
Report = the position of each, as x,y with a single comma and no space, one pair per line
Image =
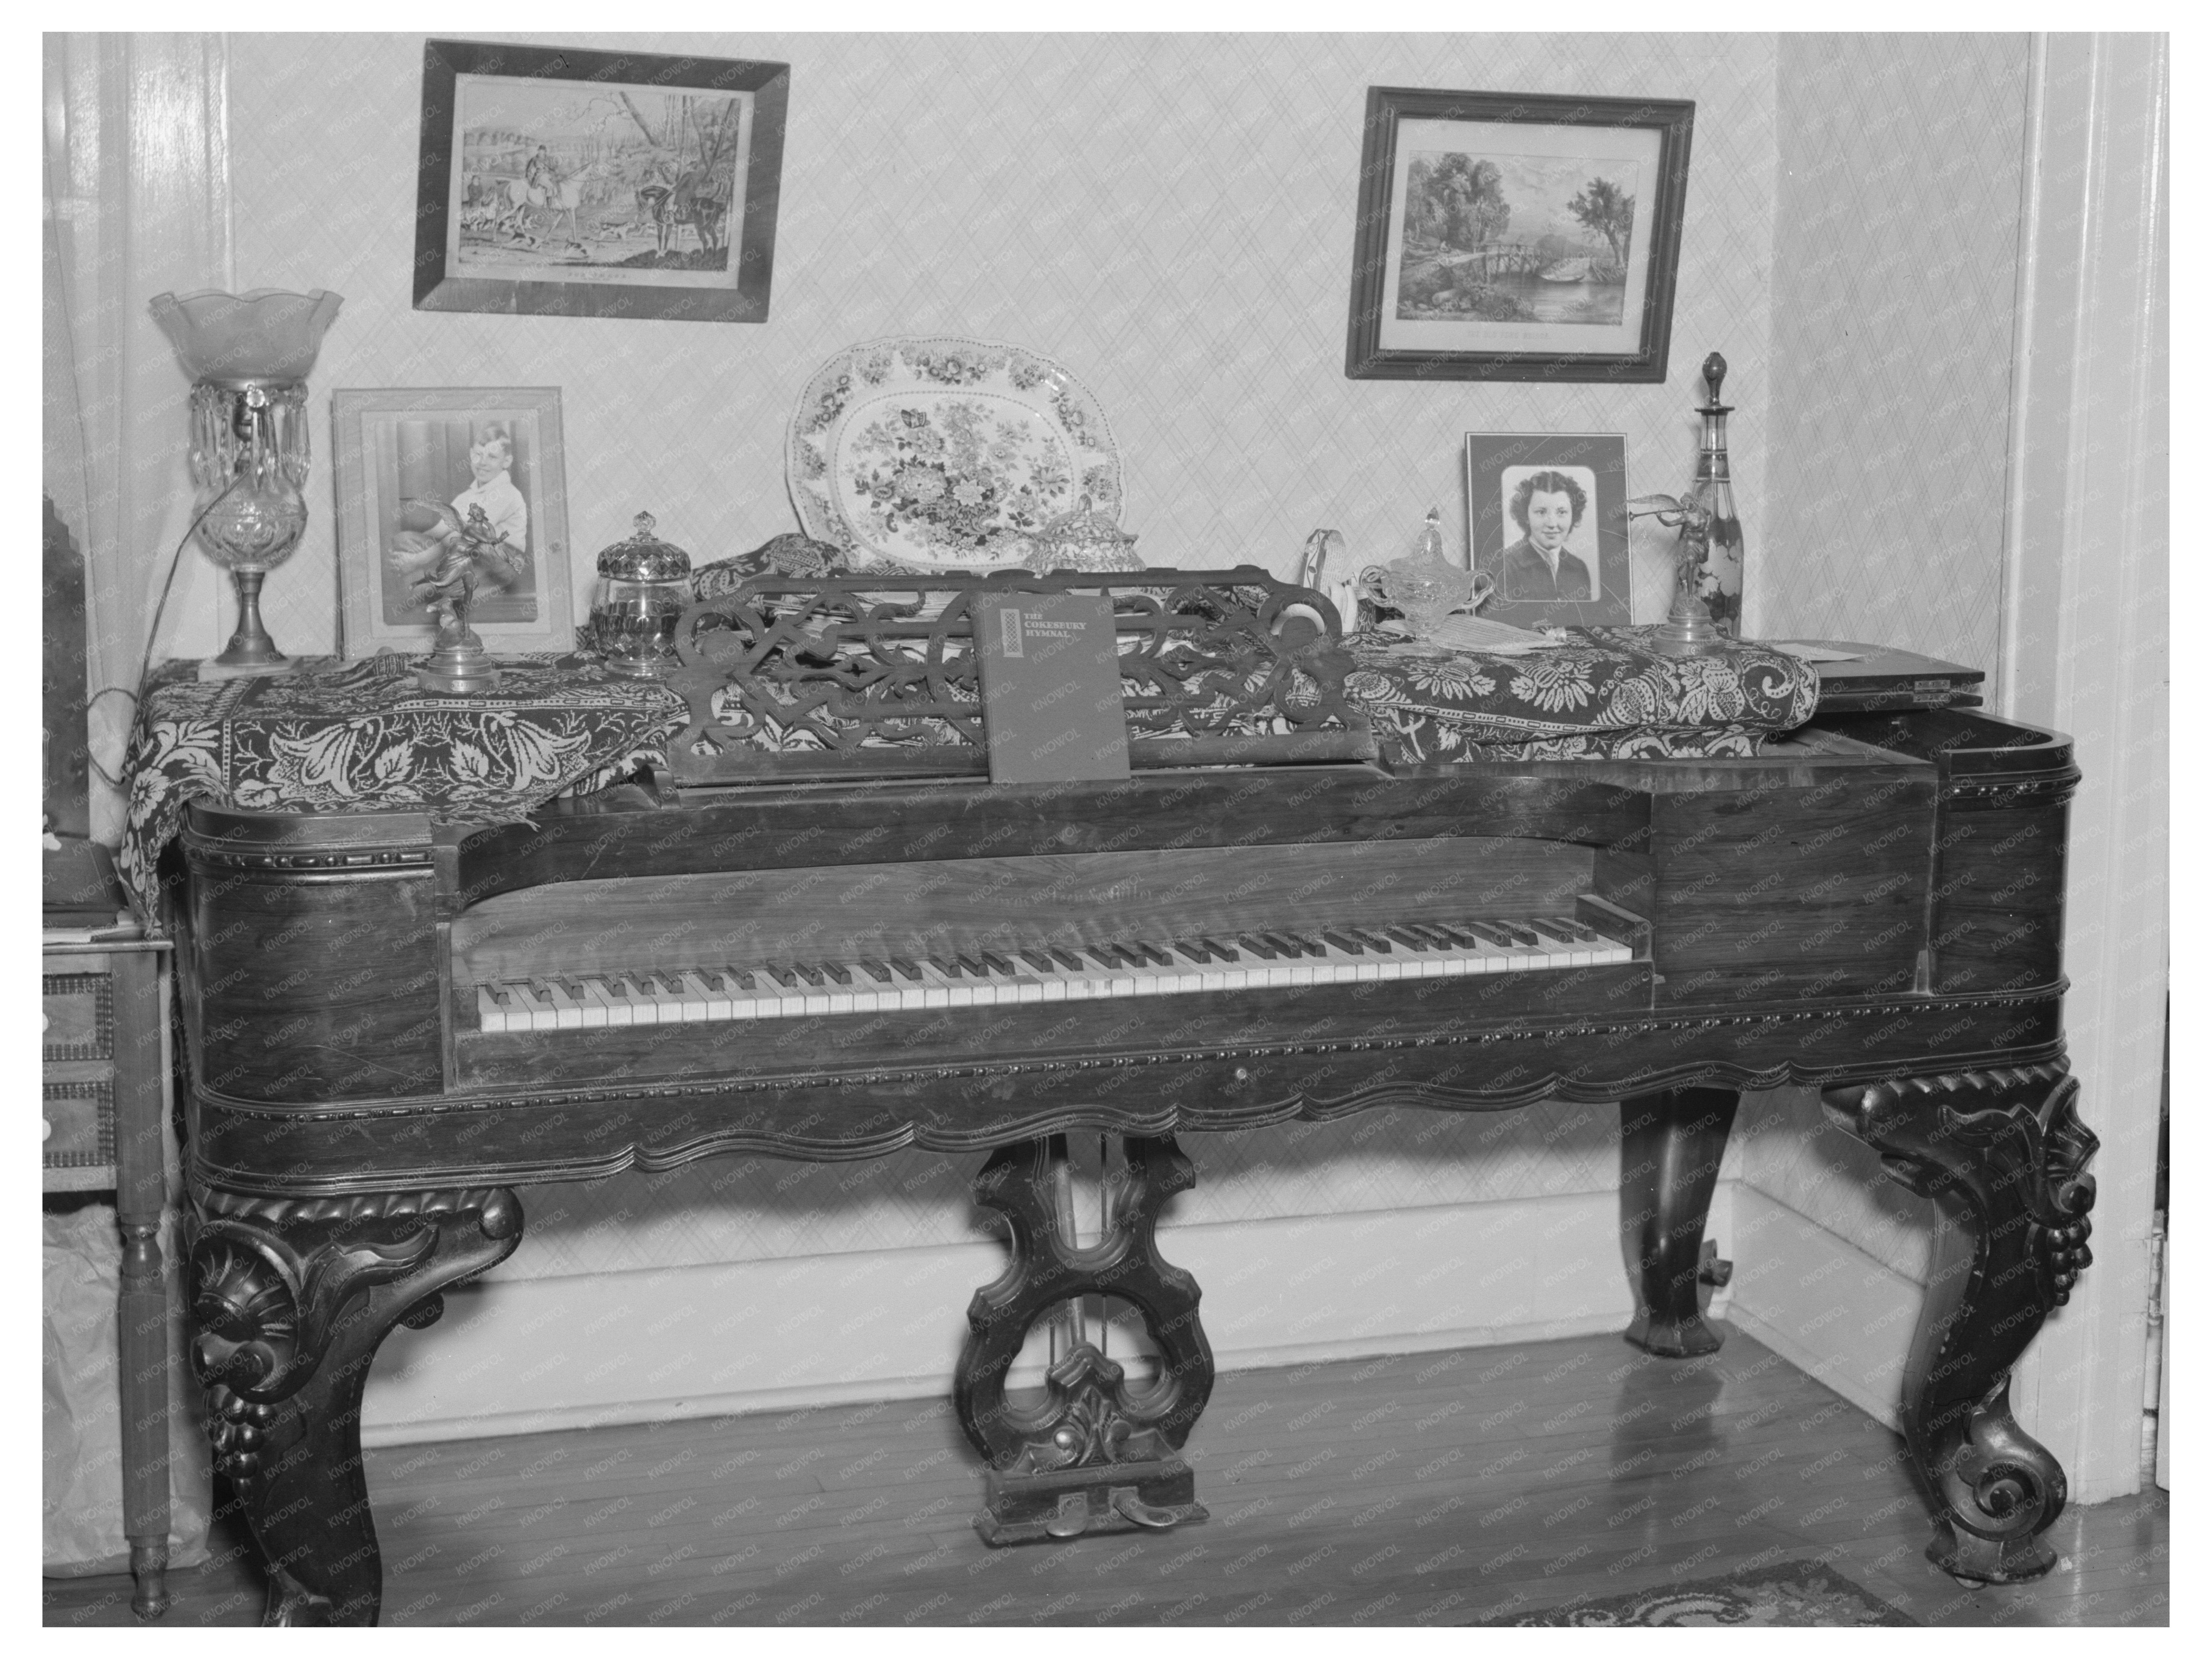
411,459
1548,519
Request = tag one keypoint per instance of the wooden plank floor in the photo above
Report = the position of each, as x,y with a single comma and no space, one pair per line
1425,1489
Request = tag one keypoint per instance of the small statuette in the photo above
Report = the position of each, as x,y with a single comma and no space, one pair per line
445,568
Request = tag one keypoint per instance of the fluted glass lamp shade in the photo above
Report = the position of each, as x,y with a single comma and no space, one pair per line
249,355
268,334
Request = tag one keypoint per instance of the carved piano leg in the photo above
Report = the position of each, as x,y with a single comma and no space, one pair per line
290,1300
2001,1154
1670,1158
1096,1455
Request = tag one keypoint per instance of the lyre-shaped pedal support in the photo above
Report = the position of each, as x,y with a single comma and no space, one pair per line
1095,1454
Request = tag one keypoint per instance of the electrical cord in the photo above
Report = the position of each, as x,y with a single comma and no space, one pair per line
153,631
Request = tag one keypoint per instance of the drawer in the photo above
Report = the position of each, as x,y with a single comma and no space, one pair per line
79,1124
79,1010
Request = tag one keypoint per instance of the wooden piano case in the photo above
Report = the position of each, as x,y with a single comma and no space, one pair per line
1871,906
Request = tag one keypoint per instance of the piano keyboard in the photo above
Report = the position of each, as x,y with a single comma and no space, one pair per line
979,977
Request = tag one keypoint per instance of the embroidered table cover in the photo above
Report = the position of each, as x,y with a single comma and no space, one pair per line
339,737
1604,695
360,736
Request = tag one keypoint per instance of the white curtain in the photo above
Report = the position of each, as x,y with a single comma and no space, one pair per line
137,201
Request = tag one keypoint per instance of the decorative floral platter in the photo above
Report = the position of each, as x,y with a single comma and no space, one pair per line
945,454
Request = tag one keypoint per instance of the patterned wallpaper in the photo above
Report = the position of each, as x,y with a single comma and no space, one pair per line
1169,216
1896,222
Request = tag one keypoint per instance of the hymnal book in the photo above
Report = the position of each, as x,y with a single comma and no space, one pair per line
1052,687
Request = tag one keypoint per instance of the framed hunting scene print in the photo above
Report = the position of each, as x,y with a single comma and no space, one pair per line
1514,237
597,183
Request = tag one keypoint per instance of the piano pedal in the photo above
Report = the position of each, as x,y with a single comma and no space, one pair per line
1154,1496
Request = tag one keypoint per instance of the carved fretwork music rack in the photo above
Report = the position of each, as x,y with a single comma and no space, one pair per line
792,679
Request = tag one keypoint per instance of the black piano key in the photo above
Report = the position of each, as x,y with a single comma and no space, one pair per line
1221,952
1105,955
1153,954
1345,942
1258,945
1288,945
808,972
781,975
1547,928
1067,959
503,996
976,966
906,968
948,966
1040,960
1373,940
1408,937
1460,936
878,971
1196,951
1580,931
1521,933
1489,933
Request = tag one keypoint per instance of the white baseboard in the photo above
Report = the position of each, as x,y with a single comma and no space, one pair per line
527,1355
1821,1302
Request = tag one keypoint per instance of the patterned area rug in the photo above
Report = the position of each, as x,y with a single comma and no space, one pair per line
1787,1593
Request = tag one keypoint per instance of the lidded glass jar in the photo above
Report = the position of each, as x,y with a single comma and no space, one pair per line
645,586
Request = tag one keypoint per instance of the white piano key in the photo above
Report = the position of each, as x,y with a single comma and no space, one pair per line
698,997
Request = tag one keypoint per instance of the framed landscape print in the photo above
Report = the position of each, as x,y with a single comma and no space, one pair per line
1513,237
1548,519
597,183
403,455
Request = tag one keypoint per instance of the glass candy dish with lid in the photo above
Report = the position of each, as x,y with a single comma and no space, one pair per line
645,586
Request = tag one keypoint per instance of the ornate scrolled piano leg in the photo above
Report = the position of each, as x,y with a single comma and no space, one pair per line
1096,1455
1670,1159
290,1300
2001,1154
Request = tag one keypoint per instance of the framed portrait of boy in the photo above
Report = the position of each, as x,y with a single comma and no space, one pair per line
1547,520
411,460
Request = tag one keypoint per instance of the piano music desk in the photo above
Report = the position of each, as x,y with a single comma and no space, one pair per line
397,1023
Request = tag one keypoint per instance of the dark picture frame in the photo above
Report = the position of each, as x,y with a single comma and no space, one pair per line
1442,286
560,182
396,446
1587,473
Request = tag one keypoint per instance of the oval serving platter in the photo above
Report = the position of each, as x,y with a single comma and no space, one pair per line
945,454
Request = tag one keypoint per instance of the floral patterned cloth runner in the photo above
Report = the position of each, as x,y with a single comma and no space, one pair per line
339,737
360,736
1606,695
